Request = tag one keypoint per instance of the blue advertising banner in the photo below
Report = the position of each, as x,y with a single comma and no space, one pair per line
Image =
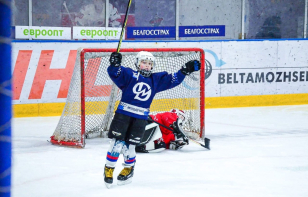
202,31
150,32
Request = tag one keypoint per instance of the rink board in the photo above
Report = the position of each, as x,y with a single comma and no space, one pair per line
244,73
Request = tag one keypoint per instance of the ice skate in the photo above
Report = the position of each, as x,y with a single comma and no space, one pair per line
126,175
108,176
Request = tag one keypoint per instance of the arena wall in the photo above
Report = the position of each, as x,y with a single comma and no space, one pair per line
244,73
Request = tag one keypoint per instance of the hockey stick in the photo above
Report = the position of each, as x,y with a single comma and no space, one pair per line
123,27
206,140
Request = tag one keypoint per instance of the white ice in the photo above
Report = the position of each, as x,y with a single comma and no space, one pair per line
259,151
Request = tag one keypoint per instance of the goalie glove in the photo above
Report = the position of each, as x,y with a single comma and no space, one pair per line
115,59
191,66
182,137
179,133
177,144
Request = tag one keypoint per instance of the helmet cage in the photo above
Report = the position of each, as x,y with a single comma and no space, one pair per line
180,114
144,55
144,72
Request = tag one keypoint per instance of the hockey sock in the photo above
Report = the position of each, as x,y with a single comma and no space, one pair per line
113,153
129,154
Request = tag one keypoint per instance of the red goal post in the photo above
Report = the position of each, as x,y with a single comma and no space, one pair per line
93,98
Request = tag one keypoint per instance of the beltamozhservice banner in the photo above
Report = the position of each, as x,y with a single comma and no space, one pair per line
97,33
37,32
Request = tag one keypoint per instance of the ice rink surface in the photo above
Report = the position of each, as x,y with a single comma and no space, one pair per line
255,152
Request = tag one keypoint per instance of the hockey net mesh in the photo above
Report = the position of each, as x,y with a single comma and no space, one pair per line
102,97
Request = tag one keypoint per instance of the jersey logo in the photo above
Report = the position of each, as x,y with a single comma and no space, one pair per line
143,91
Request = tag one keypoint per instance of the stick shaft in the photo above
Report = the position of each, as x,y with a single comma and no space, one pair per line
123,27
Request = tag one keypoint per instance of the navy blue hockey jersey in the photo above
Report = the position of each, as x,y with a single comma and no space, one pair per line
138,91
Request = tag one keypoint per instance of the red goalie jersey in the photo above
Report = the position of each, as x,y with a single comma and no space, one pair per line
167,119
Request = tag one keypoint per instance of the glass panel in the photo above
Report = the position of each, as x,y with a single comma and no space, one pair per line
159,13
69,13
306,22
87,13
275,19
20,12
212,12
46,13
117,10
155,13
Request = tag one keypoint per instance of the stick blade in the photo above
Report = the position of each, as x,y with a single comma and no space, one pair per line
207,143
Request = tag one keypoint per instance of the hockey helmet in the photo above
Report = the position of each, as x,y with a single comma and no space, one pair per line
144,55
180,114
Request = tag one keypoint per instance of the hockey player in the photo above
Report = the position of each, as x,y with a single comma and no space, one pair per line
168,139
174,140
138,90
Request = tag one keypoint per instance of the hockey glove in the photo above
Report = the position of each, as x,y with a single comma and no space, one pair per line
178,133
177,144
191,66
115,59
181,136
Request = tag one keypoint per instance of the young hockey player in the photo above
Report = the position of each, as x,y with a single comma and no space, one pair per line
168,139
128,124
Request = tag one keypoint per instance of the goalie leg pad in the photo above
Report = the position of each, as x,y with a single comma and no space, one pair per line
151,133
160,144
141,149
152,140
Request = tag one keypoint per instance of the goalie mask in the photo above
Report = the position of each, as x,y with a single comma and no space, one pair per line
147,57
180,114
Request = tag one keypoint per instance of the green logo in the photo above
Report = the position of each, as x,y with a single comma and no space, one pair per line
43,32
99,32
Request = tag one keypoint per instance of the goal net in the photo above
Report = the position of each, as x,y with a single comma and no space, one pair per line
93,98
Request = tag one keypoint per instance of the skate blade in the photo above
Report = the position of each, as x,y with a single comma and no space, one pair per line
108,185
128,181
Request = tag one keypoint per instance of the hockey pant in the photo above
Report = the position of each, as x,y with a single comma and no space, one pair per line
116,148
